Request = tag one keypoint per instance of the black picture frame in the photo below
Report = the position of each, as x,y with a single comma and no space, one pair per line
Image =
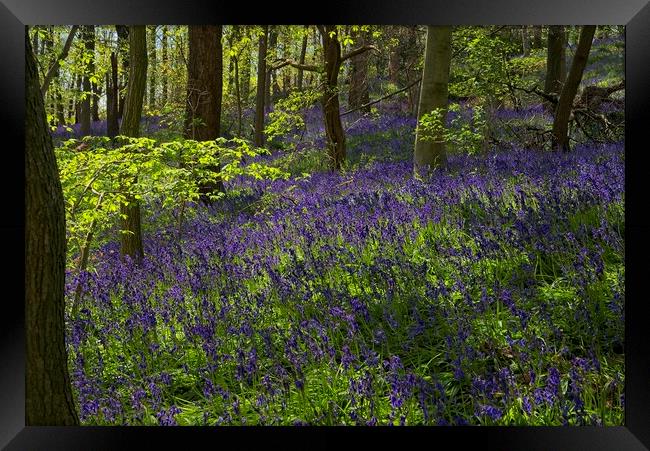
634,14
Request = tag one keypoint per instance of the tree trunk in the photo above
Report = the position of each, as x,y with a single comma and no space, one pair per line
537,36
303,53
554,58
261,88
131,243
271,81
238,97
165,62
433,95
112,92
152,67
245,68
359,78
570,88
77,104
204,91
122,43
85,112
48,394
330,99
525,43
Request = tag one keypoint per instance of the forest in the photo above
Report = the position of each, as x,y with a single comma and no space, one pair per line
325,225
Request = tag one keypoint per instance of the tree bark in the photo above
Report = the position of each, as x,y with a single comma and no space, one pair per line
537,36
48,393
303,53
88,33
122,43
165,62
554,59
152,67
131,242
270,81
112,93
204,91
358,94
433,95
261,88
245,68
330,99
570,89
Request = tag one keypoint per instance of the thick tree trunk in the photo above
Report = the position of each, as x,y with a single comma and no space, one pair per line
303,53
48,394
204,91
261,88
165,62
570,89
554,59
433,95
131,243
359,78
330,99
152,67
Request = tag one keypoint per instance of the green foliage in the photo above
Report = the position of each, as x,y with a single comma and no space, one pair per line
485,65
286,119
464,133
99,174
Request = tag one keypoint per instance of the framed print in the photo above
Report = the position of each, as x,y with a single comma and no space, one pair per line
415,219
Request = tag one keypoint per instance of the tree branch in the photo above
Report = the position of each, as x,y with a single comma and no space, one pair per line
55,66
413,83
307,67
358,51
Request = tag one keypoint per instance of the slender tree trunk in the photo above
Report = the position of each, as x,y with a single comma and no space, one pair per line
261,88
433,95
122,42
48,393
132,240
152,67
204,91
303,53
94,86
77,106
537,36
554,58
525,42
112,93
238,97
359,78
271,83
165,62
570,89
330,99
88,33
245,68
